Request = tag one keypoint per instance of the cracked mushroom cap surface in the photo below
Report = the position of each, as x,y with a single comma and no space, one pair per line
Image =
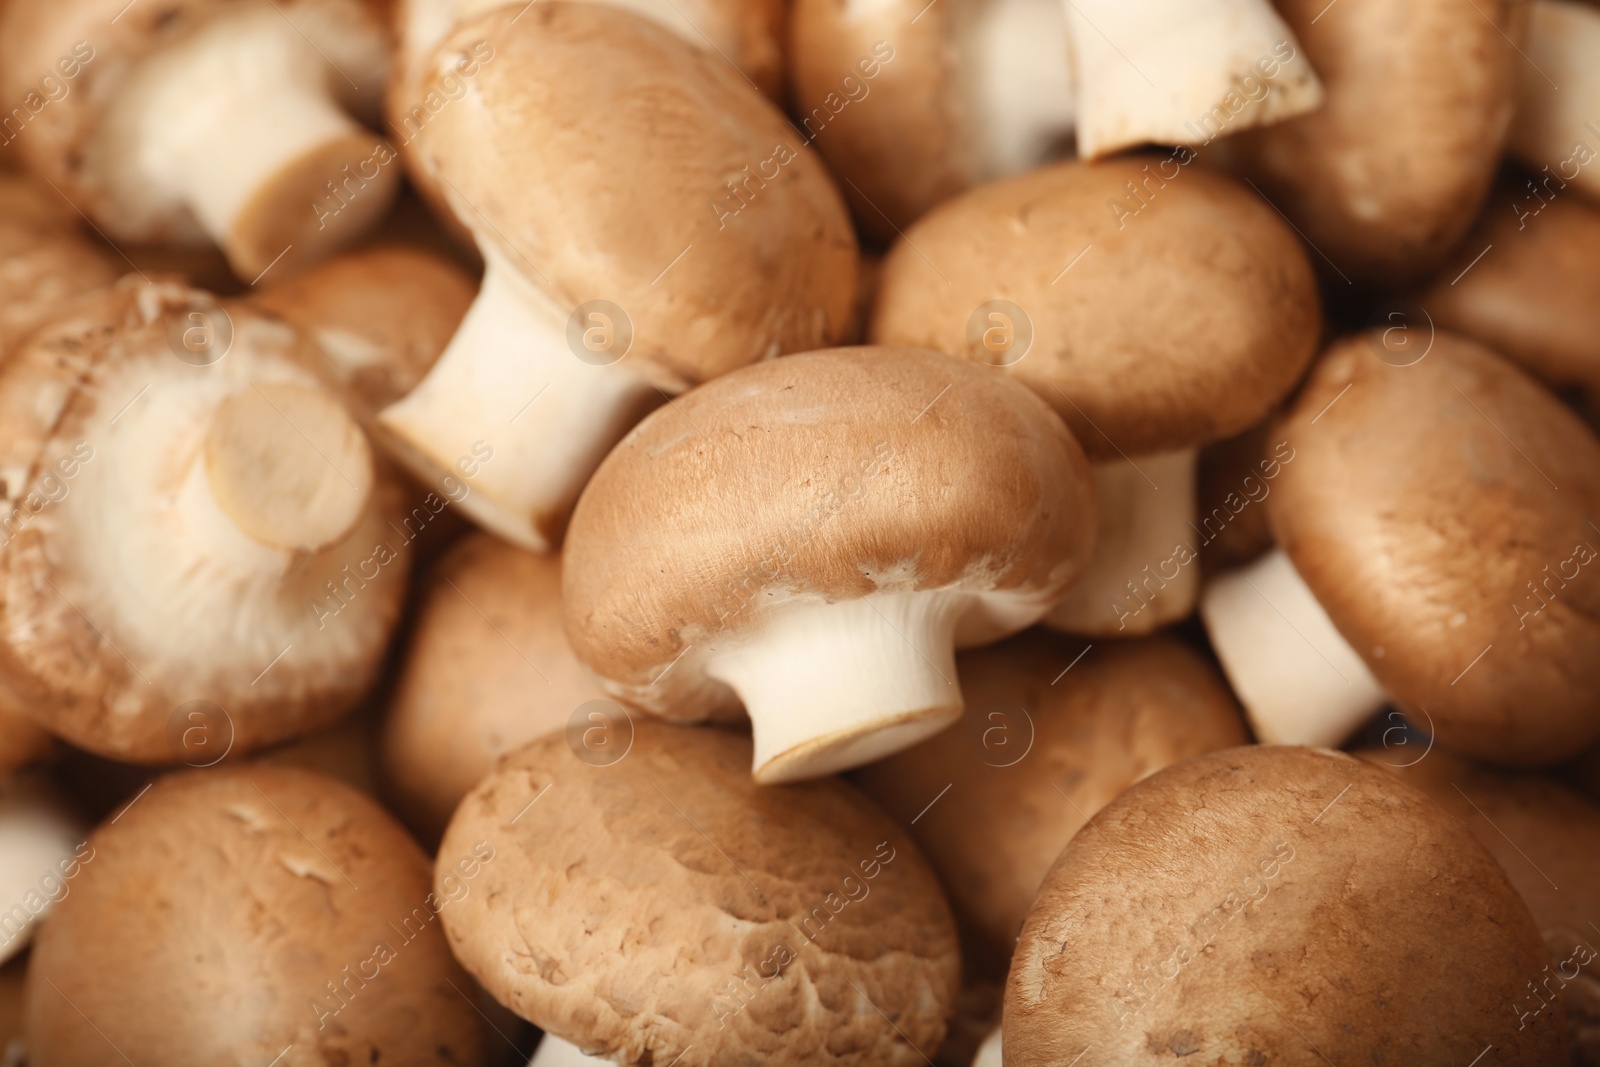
825,477
1389,173
1046,741
488,670
665,906
1273,905
1152,328
130,592
227,915
91,48
1547,838
382,315
708,278
1440,508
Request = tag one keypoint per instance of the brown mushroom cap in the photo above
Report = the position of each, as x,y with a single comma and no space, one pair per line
381,315
22,741
576,87
1424,507
1047,740
1526,282
132,589
1182,324
829,475
1547,838
666,901
1275,905
224,914
1388,174
43,268
488,670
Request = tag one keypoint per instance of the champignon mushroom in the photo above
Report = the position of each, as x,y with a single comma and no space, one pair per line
605,294
974,90
1053,731
1547,838
230,915
814,536
1176,316
204,530
382,316
1432,531
1555,131
1526,283
202,119
1387,175
488,669
40,851
666,902
43,268
1371,927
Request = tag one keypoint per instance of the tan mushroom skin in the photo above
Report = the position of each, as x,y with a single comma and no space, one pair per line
1268,904
667,906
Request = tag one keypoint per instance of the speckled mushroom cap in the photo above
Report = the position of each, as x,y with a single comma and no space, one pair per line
225,914
1423,506
43,268
381,315
488,670
1047,740
128,593
103,42
531,166
1525,282
1547,838
1178,325
1275,905
822,478
1388,174
665,906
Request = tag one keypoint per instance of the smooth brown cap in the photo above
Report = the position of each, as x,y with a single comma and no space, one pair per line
665,902
1424,507
43,269
488,670
1048,738
1388,174
1526,282
832,474
1146,332
876,88
1276,905
222,916
708,280
381,315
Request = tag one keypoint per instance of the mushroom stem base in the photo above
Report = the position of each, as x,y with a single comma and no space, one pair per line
512,415
989,1052
1146,568
1017,56
833,686
554,1052
1299,680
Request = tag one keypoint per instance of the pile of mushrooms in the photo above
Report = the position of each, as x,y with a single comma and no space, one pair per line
706,533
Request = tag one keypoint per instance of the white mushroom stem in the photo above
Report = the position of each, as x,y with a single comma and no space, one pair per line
1557,132
240,123
511,401
554,1052
989,1052
830,686
1019,71
1183,71
1299,680
1146,572
37,835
